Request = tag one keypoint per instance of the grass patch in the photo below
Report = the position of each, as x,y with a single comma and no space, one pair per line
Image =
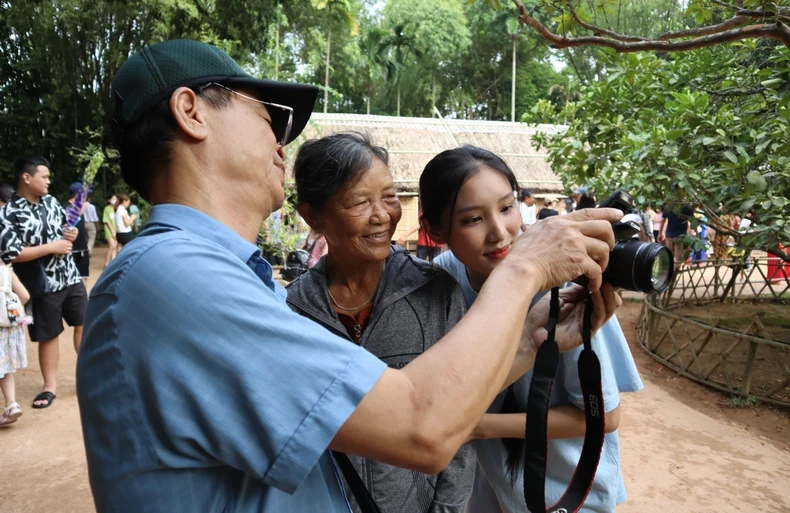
743,402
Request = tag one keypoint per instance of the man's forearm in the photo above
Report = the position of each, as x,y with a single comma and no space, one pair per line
419,416
32,253
456,380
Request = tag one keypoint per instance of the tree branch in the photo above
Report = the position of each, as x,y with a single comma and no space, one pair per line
778,31
735,21
775,251
734,91
725,4
601,31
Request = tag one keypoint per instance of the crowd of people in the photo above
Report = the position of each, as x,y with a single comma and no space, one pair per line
239,395
46,265
204,385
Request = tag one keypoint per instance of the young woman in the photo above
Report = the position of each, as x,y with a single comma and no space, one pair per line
468,203
123,221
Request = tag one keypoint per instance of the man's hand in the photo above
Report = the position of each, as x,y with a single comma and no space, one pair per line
60,247
562,248
70,234
569,327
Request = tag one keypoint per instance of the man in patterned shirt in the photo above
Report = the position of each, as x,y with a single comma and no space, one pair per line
36,239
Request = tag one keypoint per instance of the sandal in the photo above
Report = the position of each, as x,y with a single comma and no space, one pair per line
47,396
10,414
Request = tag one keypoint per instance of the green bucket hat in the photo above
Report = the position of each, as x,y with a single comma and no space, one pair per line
153,73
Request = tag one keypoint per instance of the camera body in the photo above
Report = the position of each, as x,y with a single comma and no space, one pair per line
635,265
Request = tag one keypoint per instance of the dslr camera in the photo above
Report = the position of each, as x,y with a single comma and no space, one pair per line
635,265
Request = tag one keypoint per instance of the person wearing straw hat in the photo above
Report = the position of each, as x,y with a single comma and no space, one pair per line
199,389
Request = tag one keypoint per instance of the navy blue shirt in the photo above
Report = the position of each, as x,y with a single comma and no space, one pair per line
200,390
677,225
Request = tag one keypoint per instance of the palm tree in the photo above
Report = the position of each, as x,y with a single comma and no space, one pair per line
403,45
344,10
374,49
512,32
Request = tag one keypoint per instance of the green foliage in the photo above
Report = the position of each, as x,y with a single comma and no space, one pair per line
701,128
743,402
281,235
58,58
439,28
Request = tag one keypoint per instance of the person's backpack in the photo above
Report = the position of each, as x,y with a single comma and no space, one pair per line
295,264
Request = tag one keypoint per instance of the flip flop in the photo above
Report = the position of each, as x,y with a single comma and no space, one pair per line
44,396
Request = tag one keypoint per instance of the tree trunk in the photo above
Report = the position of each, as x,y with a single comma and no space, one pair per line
513,86
368,104
276,52
398,99
326,68
433,96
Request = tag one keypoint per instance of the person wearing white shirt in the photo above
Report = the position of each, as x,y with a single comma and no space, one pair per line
527,209
123,221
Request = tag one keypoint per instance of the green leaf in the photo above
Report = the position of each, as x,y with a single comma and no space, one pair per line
675,134
730,155
757,179
707,141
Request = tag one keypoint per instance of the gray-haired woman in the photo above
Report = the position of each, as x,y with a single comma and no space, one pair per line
376,295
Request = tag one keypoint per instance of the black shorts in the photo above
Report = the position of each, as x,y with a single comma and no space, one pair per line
51,309
124,238
83,261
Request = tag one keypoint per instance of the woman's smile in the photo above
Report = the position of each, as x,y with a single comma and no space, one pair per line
378,236
498,254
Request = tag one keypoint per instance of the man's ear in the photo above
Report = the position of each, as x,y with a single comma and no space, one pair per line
432,232
189,113
309,216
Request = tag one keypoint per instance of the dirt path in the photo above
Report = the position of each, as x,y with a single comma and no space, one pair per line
683,448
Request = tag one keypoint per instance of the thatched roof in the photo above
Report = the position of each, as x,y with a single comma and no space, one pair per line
412,142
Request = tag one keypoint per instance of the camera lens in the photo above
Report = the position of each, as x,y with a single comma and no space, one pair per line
640,266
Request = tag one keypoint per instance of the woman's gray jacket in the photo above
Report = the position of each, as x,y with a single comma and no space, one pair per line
415,305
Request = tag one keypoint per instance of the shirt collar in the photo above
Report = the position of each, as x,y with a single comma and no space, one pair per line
200,224
22,202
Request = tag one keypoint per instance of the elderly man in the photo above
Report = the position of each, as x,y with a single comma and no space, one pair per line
199,389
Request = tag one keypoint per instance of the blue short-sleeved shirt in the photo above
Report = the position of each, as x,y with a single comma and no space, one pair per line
200,390
494,491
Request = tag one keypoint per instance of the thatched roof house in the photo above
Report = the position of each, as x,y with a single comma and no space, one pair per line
412,142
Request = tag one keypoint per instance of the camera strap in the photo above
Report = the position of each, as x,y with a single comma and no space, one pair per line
365,501
544,374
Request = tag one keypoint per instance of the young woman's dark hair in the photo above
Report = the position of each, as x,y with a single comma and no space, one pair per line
440,183
324,166
28,164
143,148
447,172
